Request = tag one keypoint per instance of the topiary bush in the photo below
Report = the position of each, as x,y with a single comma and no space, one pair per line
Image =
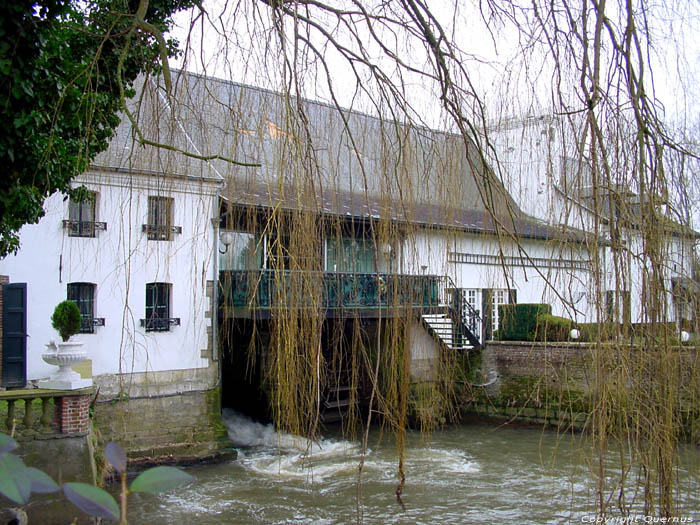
518,322
593,332
553,328
66,319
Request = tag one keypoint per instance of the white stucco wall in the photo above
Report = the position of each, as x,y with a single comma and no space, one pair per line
120,261
568,290
425,353
534,156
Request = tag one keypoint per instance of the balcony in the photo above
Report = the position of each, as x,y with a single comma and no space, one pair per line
83,228
160,232
159,324
258,293
88,324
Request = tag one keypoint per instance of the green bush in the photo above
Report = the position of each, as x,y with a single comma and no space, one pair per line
592,332
66,319
553,328
518,322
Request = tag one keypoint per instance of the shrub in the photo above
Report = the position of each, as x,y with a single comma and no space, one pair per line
518,322
66,319
606,331
553,328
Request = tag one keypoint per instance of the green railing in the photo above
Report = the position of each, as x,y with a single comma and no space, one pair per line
271,289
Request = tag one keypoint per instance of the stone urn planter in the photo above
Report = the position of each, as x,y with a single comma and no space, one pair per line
66,320
64,356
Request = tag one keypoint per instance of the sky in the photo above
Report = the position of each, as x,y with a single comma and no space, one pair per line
510,68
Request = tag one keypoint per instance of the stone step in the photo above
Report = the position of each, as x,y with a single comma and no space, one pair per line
337,403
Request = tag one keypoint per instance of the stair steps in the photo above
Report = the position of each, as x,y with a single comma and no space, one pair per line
442,327
336,403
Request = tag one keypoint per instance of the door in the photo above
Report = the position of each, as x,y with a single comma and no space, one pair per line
14,334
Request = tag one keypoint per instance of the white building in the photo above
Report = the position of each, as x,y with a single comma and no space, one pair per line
138,259
391,205
550,181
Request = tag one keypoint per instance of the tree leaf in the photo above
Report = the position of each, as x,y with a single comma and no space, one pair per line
159,479
92,500
7,444
14,482
40,481
116,456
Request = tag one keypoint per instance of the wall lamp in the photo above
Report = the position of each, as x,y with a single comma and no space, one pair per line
226,238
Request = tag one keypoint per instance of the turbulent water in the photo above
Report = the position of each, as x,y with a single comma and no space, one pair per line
464,474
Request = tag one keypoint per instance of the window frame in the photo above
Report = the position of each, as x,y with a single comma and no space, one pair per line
78,224
159,225
158,305
83,295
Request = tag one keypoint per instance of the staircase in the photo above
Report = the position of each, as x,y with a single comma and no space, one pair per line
441,326
456,325
336,403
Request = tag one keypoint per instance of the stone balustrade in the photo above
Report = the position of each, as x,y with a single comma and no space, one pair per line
43,414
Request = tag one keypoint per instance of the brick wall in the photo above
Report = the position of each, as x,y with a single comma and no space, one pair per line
553,361
73,414
4,279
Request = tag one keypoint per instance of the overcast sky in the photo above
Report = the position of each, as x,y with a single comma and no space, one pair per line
509,72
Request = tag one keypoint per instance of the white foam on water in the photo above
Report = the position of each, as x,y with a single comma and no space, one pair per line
244,432
448,459
265,451
464,467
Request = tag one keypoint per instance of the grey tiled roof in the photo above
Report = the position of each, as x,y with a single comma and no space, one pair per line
354,205
311,155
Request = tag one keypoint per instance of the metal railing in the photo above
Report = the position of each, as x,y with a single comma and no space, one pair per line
464,316
159,324
83,228
327,290
88,324
160,232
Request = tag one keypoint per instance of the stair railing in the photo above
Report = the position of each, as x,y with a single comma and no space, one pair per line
463,314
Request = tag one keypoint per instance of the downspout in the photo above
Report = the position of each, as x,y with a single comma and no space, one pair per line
215,293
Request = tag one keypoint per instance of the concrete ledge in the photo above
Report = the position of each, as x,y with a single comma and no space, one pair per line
153,384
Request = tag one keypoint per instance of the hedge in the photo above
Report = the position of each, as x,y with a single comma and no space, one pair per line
553,328
518,322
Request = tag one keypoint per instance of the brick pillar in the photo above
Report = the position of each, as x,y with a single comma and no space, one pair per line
73,414
4,279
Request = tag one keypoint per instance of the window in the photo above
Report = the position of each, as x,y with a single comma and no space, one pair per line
83,294
158,308
278,256
244,253
498,298
160,219
349,255
81,217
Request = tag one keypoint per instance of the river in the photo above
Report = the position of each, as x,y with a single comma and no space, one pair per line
463,474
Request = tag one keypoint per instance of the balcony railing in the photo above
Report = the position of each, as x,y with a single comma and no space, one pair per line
159,324
160,232
270,289
83,228
43,414
88,324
